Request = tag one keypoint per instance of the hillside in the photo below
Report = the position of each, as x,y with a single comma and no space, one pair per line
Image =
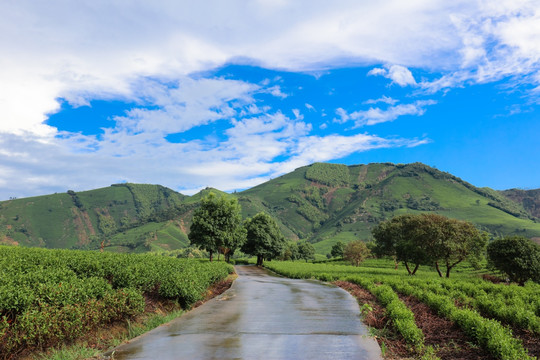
322,203
329,202
529,199
84,219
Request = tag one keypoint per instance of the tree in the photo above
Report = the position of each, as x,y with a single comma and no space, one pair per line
337,249
264,238
457,241
356,252
401,238
290,251
217,226
517,257
306,251
429,239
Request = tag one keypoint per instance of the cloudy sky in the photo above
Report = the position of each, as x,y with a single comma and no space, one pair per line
190,94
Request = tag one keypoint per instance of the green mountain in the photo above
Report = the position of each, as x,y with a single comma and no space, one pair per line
322,203
329,202
121,215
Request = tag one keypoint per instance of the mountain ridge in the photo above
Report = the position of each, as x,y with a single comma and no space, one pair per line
321,202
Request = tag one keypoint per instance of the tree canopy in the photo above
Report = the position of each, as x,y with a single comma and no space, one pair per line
401,237
306,251
217,225
337,249
356,252
517,257
429,239
264,238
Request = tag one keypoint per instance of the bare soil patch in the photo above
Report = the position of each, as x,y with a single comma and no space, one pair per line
447,338
449,341
396,347
530,341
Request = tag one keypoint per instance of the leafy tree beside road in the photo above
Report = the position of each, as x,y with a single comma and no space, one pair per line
264,238
217,226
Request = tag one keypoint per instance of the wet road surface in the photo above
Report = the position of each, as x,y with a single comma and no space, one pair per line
263,316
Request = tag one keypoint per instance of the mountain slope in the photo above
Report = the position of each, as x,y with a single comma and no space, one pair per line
322,203
327,202
528,199
83,219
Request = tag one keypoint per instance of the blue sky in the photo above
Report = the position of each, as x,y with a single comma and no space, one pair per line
190,96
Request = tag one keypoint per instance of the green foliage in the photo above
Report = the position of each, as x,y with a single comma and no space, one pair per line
337,249
106,224
306,251
150,199
264,238
424,203
517,257
429,239
51,296
290,251
356,252
407,237
483,326
217,225
357,199
402,317
332,175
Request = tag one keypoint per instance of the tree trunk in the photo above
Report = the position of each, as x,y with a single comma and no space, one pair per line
211,255
395,263
407,267
450,267
227,257
259,260
437,267
415,268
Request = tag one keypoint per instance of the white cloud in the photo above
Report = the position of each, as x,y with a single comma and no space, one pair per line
276,91
384,99
374,116
343,116
96,49
398,74
244,159
86,50
186,105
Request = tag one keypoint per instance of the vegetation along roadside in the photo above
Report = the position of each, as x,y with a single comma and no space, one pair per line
54,297
479,310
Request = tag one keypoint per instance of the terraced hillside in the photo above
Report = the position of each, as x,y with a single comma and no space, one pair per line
322,203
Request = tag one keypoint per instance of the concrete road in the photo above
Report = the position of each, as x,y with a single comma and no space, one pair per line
263,316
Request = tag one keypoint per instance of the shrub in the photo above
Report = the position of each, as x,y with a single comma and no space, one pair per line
517,257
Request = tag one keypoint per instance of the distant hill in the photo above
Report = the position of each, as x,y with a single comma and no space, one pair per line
322,203
529,199
84,219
